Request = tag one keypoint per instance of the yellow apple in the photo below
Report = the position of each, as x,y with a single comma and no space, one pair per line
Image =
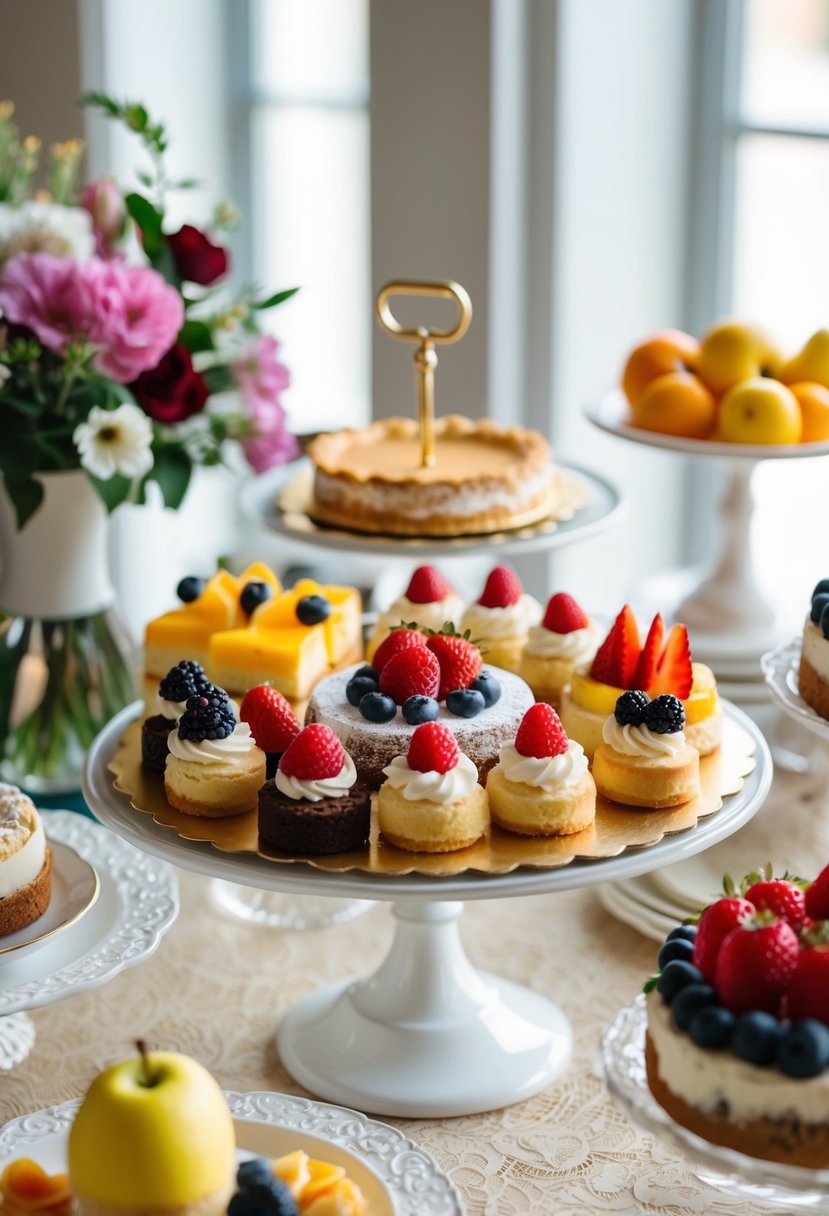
811,363
152,1131
732,351
760,410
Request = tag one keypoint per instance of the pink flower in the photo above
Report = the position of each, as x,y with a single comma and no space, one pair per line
137,318
271,448
261,378
105,204
47,294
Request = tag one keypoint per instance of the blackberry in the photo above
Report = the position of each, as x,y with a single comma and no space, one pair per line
630,708
665,715
183,681
208,716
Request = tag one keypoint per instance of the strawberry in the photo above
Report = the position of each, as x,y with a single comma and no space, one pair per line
460,661
717,921
271,720
783,898
427,586
502,588
541,733
673,671
648,659
433,749
563,614
399,639
808,993
414,672
315,753
817,896
755,965
617,657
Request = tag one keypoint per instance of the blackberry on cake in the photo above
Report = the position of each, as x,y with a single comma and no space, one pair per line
181,682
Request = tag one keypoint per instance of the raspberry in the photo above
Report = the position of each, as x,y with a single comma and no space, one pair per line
541,733
817,896
271,720
502,588
564,615
460,661
630,708
183,681
315,753
398,639
414,672
427,586
665,715
433,749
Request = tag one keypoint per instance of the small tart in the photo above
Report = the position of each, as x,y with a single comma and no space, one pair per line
532,811
651,783
548,678
432,827
217,790
330,825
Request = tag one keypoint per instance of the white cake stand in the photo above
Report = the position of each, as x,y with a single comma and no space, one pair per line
427,1035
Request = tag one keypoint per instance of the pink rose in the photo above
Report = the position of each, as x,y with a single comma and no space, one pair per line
47,294
272,448
105,204
261,378
137,318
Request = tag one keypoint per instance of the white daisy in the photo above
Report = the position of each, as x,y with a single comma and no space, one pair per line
38,227
115,441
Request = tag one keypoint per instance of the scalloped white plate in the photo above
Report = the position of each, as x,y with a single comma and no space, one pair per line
75,887
396,1176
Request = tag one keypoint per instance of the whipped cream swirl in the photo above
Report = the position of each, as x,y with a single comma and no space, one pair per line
511,622
236,745
427,616
578,646
545,772
432,787
314,789
641,740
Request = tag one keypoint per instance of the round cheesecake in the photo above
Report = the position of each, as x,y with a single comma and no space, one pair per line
813,676
373,745
25,862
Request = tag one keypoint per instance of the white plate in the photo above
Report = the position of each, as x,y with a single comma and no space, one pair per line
136,905
780,668
696,881
645,891
75,888
648,923
397,1177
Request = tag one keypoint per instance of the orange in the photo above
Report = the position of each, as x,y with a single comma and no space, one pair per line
814,406
676,404
668,351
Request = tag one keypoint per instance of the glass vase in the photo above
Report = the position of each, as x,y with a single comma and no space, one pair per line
65,662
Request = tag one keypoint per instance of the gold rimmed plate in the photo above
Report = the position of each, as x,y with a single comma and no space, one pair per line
75,888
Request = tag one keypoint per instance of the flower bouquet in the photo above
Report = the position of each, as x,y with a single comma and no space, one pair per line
125,358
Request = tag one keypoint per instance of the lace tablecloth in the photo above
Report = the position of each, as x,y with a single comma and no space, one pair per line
216,989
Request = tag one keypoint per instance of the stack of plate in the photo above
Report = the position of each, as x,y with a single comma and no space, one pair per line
655,903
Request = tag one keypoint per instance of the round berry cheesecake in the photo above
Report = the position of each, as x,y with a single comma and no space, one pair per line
813,676
428,602
415,678
25,862
501,619
737,1045
565,639
184,680
214,768
643,759
541,785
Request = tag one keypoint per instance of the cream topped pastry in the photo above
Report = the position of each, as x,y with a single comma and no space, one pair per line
431,801
214,767
25,862
565,638
501,618
541,785
428,601
644,759
182,681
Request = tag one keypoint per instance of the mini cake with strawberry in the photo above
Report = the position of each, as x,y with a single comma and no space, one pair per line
541,785
431,801
643,758
428,602
813,676
272,722
737,1045
500,620
565,639
182,681
214,768
416,678
662,666
314,804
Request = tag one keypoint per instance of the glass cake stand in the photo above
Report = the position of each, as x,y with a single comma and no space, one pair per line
427,1035
780,667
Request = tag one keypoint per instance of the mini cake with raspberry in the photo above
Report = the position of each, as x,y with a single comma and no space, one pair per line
431,801
272,722
214,768
314,804
541,785
181,682
737,1045
813,675
500,620
643,759
565,639
428,603
25,862
662,665
417,678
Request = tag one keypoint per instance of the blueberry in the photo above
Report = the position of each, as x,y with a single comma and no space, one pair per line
712,1027
313,609
630,708
465,702
254,594
682,933
818,604
357,687
417,710
822,588
371,673
676,976
824,621
489,688
377,707
264,1199
190,589
679,948
803,1050
689,1002
257,1169
756,1037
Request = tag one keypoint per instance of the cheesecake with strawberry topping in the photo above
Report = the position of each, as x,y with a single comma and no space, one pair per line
541,785
643,758
314,804
431,801
565,639
500,620
428,603
737,1045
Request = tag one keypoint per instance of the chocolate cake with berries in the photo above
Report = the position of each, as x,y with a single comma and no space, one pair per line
737,1045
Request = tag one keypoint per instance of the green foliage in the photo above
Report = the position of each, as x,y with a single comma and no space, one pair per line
279,297
134,116
26,496
196,336
171,469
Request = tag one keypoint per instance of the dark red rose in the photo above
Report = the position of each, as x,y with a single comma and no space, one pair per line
173,390
197,259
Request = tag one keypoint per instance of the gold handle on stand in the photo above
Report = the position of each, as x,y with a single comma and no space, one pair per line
425,357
